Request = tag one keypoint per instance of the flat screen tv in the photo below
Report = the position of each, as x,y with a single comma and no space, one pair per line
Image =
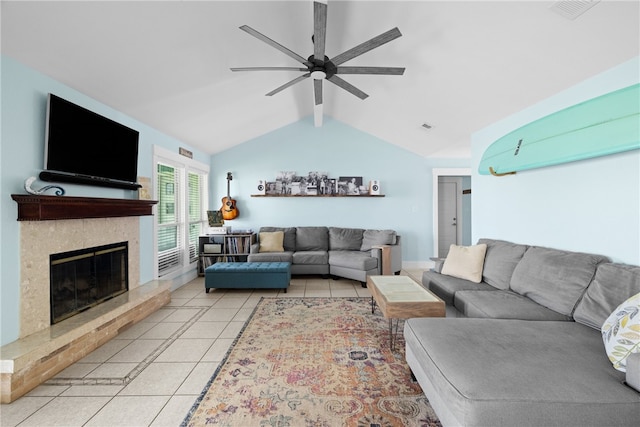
84,147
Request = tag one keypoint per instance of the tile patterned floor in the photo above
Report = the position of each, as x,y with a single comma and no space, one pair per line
151,374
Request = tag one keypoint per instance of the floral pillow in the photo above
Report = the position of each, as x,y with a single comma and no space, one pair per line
621,332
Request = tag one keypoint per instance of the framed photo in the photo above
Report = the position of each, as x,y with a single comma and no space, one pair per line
332,186
349,185
272,188
215,218
284,182
317,183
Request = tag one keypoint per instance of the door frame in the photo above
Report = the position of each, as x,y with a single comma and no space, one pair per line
438,172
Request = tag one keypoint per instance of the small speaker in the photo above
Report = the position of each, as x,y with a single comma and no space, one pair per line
261,188
374,187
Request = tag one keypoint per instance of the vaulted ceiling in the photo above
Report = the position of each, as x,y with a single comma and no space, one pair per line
468,63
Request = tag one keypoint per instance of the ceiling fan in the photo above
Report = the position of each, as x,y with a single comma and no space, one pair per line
319,67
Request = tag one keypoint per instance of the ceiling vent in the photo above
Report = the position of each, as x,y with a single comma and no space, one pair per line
571,9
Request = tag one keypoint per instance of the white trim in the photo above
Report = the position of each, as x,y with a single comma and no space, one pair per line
174,159
437,172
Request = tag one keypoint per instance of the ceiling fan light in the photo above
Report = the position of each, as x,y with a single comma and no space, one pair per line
318,75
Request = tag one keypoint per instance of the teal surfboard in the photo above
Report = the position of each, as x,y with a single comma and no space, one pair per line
601,126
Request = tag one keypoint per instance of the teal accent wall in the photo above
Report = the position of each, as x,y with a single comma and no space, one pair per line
588,206
23,109
405,180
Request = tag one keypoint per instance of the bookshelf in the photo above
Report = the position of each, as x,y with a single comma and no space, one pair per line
234,247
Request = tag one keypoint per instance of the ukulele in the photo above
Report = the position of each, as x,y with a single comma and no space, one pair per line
229,209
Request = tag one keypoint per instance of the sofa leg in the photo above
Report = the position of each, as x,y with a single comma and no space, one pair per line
364,284
413,377
397,273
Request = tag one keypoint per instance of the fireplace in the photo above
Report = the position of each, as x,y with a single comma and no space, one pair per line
81,279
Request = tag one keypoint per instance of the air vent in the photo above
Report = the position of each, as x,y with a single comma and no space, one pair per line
571,9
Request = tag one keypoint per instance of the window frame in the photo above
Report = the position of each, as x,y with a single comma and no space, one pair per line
184,166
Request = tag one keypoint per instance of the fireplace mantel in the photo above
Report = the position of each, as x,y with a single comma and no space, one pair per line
43,208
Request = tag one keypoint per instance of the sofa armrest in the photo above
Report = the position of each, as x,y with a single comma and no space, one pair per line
633,371
255,248
390,257
383,253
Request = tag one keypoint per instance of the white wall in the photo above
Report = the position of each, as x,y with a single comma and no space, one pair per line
589,206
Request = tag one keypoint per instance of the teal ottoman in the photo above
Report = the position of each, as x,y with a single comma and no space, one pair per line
247,275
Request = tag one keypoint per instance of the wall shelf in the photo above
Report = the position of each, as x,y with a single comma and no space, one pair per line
319,195
42,208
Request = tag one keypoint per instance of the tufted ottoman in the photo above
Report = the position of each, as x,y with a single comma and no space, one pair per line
251,275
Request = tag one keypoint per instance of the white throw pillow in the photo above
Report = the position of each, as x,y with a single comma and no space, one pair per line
465,262
271,241
621,332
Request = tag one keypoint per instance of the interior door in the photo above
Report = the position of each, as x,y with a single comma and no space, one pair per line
447,215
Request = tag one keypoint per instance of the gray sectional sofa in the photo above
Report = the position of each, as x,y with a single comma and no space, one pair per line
353,253
523,347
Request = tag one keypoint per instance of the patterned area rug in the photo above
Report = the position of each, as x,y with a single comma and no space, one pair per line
313,362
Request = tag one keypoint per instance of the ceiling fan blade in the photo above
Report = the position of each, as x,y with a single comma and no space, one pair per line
392,71
319,30
317,91
268,69
274,44
347,86
286,85
317,115
367,46
317,108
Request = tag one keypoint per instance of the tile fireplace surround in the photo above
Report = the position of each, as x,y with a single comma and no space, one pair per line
43,350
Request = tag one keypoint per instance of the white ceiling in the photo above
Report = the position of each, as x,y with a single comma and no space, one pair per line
468,63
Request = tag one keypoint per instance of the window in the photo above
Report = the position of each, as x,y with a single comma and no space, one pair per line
181,191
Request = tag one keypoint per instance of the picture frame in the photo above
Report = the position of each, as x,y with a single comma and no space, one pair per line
349,185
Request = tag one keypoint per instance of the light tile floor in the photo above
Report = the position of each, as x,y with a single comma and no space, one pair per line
152,373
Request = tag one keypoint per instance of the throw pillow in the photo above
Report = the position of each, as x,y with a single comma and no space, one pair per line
621,332
271,241
465,262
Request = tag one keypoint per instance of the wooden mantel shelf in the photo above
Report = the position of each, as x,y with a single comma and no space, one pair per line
43,208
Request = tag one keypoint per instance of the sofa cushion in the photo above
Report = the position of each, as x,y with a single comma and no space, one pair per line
465,262
271,257
271,241
500,261
289,241
312,239
502,305
554,278
520,373
613,284
345,239
621,332
371,238
352,259
311,257
445,287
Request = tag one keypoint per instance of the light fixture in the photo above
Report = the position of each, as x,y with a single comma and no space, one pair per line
318,75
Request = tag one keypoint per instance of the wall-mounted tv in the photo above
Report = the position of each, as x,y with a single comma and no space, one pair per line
84,147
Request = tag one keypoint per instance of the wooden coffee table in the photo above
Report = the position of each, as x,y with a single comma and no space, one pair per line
400,297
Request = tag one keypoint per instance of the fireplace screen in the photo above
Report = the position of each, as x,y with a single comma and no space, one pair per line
84,278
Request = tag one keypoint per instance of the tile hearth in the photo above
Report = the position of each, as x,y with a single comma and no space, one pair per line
152,372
